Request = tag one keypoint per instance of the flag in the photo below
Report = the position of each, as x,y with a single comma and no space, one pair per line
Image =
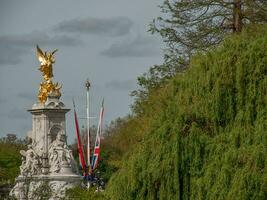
80,148
96,155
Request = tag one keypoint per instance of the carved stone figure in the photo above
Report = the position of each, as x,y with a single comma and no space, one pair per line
59,154
30,162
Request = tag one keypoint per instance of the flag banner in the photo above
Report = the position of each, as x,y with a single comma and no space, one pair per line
96,155
80,148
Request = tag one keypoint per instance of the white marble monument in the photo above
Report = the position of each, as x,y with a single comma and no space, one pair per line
48,167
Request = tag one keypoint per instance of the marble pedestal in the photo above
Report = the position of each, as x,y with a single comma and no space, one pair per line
48,167
44,186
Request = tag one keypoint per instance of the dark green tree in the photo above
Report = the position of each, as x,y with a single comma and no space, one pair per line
204,133
156,77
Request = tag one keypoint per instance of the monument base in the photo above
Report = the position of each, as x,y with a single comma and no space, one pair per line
52,186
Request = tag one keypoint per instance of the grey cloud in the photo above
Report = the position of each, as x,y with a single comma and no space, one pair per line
120,85
13,47
138,47
38,37
116,26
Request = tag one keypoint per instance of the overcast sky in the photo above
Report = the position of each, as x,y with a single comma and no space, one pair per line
104,40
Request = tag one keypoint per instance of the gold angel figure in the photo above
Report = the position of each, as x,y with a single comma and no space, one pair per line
47,60
47,86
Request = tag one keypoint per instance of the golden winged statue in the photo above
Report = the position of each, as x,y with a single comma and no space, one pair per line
47,60
47,86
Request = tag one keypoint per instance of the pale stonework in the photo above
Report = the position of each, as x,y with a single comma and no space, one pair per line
48,162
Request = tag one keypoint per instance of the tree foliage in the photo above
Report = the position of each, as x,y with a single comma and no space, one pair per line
10,159
205,132
155,78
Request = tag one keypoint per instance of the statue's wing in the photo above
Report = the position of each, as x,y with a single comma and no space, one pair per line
40,55
54,51
58,86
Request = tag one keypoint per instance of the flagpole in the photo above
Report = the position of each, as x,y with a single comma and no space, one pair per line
80,148
87,85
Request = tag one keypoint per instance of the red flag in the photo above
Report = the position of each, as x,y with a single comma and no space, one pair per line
96,156
80,148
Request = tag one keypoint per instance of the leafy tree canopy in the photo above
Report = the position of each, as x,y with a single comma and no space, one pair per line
204,133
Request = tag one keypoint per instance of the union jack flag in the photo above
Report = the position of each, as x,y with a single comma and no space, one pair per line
96,156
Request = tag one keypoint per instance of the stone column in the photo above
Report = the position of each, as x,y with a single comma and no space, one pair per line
47,121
